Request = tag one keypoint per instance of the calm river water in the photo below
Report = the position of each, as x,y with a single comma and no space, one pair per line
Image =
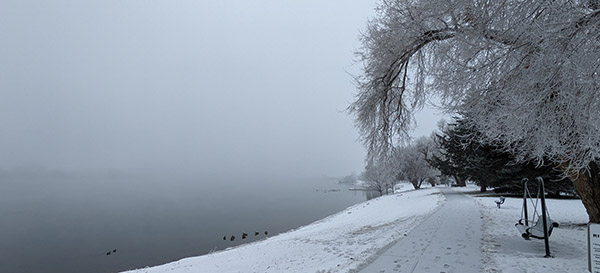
58,223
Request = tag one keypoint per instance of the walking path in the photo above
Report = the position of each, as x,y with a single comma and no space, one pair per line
447,241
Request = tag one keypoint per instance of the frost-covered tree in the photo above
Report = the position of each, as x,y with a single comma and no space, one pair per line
349,179
378,176
411,162
526,71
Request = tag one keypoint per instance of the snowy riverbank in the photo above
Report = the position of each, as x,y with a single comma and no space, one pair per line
338,243
356,236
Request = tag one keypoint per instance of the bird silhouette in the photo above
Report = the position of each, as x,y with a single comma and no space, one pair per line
224,238
244,235
232,238
266,233
256,233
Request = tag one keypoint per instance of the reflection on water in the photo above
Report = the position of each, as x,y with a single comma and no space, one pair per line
56,223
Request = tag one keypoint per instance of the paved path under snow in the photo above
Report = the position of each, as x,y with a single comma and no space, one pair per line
447,241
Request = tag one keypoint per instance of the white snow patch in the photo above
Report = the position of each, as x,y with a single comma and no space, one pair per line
339,243
505,251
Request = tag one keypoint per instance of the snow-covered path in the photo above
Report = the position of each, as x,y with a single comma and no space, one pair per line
447,241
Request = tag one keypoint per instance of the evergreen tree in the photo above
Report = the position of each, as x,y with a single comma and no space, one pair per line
463,156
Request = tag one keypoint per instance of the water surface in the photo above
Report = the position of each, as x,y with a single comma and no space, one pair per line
68,223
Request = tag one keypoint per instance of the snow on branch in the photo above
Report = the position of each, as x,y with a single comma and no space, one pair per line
525,71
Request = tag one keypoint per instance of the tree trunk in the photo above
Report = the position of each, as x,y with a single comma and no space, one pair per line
587,185
459,181
483,187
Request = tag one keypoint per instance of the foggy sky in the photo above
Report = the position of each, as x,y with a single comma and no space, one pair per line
249,87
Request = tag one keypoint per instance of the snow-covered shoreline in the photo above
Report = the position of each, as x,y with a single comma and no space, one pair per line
339,243
354,237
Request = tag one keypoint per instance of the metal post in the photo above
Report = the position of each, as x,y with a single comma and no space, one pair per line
525,200
544,218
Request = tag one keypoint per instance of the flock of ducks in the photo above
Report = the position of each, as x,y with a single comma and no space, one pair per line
244,235
232,238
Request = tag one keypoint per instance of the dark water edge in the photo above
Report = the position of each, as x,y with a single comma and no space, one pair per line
68,223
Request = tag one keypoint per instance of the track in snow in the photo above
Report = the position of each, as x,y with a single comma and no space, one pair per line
447,241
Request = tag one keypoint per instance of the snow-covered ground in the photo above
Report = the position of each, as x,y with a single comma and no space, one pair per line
505,251
351,239
447,241
338,243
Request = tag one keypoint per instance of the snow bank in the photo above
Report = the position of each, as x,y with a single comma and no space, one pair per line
338,243
505,251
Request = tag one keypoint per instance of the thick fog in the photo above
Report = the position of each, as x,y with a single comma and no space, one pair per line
248,87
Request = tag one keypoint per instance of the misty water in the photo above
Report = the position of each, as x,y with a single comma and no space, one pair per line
68,223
